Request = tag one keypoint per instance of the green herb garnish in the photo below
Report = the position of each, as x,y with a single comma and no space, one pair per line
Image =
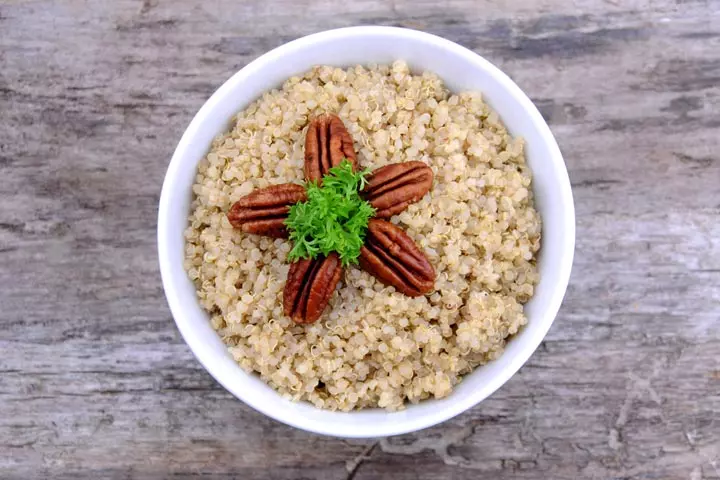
333,219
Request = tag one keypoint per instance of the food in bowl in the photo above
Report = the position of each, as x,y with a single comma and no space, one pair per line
373,345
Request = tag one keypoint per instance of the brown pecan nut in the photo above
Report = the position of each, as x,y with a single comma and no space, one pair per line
263,212
326,144
392,257
390,189
310,284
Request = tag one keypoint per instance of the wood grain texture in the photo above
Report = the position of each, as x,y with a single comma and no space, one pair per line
95,381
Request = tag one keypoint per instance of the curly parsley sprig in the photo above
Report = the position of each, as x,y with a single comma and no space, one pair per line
333,219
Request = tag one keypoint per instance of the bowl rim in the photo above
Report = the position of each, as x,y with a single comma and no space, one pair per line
405,425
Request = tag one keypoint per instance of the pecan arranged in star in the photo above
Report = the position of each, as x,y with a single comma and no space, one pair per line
392,257
309,286
388,254
327,143
263,212
390,189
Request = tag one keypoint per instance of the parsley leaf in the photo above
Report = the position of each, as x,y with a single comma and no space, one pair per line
333,219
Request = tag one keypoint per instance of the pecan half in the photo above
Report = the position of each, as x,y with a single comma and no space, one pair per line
263,212
326,144
310,284
390,189
392,257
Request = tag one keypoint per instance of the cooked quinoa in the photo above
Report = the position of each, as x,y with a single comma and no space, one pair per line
373,347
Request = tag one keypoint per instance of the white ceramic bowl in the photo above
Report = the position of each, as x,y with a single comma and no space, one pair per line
461,70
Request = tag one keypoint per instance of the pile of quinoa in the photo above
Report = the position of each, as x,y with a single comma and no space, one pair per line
373,347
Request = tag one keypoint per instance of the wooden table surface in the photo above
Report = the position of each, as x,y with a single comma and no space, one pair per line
97,383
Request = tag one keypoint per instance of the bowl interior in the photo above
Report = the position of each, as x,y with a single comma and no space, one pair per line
461,70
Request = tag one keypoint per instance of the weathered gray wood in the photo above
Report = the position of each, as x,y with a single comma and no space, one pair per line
96,382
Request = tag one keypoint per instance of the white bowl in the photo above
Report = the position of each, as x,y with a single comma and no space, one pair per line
461,70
